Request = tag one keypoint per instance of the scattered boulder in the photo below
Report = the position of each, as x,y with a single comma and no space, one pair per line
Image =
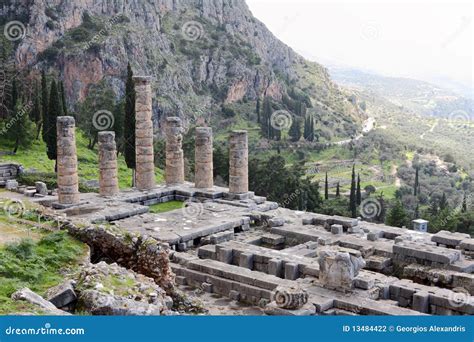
100,303
11,184
41,188
62,295
31,297
113,290
276,222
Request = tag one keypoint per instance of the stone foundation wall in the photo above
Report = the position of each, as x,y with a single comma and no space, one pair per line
143,255
8,171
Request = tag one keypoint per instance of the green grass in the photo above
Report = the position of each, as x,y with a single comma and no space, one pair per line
37,265
88,163
167,206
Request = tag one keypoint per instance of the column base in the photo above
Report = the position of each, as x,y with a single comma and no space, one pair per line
239,196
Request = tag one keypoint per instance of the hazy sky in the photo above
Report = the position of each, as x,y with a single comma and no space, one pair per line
424,39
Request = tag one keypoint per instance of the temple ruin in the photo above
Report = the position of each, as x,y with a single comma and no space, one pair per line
243,247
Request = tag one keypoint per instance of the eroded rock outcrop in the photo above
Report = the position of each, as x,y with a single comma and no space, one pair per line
113,290
207,53
142,254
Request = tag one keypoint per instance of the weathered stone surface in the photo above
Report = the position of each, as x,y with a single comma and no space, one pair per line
411,251
238,162
276,222
467,244
29,296
174,172
108,179
145,167
337,229
449,239
68,182
41,188
291,298
11,184
338,268
126,292
62,295
204,177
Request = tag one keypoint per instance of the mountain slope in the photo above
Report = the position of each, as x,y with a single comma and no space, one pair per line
414,95
204,56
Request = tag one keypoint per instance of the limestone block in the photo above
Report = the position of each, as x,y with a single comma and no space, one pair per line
41,188
337,229
337,269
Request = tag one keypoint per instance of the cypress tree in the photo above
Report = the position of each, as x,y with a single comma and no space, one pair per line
44,104
119,125
13,98
305,129
397,216
326,188
266,118
129,122
63,97
295,130
21,126
352,198
443,204
415,187
338,191
220,164
464,203
257,109
358,192
35,113
54,111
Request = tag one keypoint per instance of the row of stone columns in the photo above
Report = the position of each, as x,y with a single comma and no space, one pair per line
68,182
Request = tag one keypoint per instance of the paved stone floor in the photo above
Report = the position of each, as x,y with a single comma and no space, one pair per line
245,255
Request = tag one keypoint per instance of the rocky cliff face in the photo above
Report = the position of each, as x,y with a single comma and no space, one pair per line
203,54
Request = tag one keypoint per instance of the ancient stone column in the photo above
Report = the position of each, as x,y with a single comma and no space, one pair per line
174,153
238,163
108,181
203,177
145,167
68,182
